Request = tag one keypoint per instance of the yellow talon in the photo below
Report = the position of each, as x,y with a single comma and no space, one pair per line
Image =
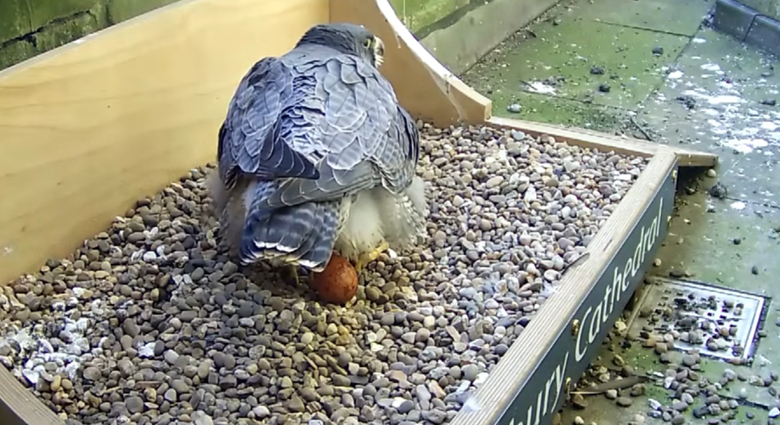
292,270
367,258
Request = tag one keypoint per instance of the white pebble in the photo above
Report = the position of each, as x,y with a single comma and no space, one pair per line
261,412
530,195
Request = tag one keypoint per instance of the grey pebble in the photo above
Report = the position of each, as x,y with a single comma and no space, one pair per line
134,404
171,356
201,418
470,372
131,328
295,404
92,373
184,333
435,416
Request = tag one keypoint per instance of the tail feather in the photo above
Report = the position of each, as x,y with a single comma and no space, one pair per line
302,234
310,241
322,249
283,227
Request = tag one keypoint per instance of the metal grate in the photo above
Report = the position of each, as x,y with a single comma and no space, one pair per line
718,322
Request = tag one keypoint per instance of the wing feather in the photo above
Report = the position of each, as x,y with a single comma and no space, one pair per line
363,139
312,127
250,141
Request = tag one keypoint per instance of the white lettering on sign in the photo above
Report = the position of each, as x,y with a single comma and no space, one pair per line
592,320
621,279
543,405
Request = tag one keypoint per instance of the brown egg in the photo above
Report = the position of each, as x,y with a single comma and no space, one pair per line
338,283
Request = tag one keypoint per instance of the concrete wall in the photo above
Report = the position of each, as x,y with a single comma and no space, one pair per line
419,14
460,32
769,8
31,27
457,32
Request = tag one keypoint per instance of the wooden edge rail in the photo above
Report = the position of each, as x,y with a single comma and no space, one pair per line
607,142
19,406
530,381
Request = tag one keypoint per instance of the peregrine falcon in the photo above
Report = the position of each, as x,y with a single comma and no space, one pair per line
316,155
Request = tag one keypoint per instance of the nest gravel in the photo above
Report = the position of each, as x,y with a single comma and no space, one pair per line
151,323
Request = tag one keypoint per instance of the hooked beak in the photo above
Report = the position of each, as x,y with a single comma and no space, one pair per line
379,51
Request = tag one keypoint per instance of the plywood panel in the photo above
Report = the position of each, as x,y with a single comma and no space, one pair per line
89,127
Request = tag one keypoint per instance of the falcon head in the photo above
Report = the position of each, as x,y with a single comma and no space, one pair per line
347,38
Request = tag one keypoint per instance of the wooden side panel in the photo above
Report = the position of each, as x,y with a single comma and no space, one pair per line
423,85
90,127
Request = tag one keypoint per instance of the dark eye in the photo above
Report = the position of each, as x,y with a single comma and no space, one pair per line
367,43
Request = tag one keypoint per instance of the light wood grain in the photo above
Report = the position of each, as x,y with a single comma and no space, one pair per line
88,128
423,85
607,142
19,406
517,365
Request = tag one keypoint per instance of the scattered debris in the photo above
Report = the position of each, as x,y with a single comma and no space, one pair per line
718,190
688,101
613,385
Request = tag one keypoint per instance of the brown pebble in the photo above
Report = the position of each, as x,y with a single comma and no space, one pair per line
650,342
579,401
637,390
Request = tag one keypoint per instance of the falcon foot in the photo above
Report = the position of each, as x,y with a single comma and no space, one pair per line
367,258
291,273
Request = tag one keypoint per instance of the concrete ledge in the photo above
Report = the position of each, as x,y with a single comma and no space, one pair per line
765,34
747,25
477,31
733,18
